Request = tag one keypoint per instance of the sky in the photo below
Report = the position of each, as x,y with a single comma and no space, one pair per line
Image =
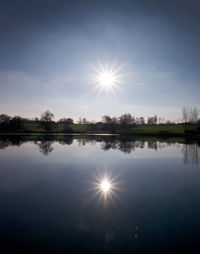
51,51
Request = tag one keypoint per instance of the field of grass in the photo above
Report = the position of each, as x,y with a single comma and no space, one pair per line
32,127
152,130
76,128
164,129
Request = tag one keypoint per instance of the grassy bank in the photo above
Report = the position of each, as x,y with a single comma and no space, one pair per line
163,130
180,130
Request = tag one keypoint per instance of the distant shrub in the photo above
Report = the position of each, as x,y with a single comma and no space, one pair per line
189,132
164,133
198,129
67,129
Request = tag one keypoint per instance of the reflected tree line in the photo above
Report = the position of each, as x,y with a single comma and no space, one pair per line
191,152
45,146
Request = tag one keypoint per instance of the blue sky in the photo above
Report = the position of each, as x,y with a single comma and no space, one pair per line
48,50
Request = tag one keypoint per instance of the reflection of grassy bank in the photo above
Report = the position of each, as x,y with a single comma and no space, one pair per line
125,144
180,130
15,138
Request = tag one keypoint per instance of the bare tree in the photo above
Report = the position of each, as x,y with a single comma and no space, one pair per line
152,120
115,120
195,114
46,120
106,119
66,120
125,119
84,121
16,122
80,120
4,119
185,114
190,114
140,120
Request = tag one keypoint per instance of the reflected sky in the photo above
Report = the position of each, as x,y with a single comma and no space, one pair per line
59,201
130,147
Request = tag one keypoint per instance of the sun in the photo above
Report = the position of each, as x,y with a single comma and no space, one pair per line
106,79
105,186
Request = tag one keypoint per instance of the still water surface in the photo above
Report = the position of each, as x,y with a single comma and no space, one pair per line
62,194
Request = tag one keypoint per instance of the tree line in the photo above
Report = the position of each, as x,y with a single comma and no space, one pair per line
189,115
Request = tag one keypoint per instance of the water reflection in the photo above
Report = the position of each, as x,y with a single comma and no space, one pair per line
84,199
45,146
123,145
191,151
6,141
105,187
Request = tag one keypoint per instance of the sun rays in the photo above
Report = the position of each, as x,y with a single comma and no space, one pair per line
105,188
107,78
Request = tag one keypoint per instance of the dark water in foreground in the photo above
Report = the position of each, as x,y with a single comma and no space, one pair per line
51,200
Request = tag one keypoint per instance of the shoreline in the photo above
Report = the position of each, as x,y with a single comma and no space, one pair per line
192,136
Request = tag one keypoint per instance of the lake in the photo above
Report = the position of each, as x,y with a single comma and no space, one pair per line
98,194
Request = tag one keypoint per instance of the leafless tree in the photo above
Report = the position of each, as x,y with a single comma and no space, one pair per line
46,120
115,120
152,120
106,119
190,114
126,119
185,114
84,121
195,114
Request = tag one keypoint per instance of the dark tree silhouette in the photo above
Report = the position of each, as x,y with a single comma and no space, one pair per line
7,122
4,121
152,120
46,120
106,119
45,146
125,119
16,122
66,120
190,114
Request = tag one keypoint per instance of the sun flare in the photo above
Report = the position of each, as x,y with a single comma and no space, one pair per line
106,79
105,186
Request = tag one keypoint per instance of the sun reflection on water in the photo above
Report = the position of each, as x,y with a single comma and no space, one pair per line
105,188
